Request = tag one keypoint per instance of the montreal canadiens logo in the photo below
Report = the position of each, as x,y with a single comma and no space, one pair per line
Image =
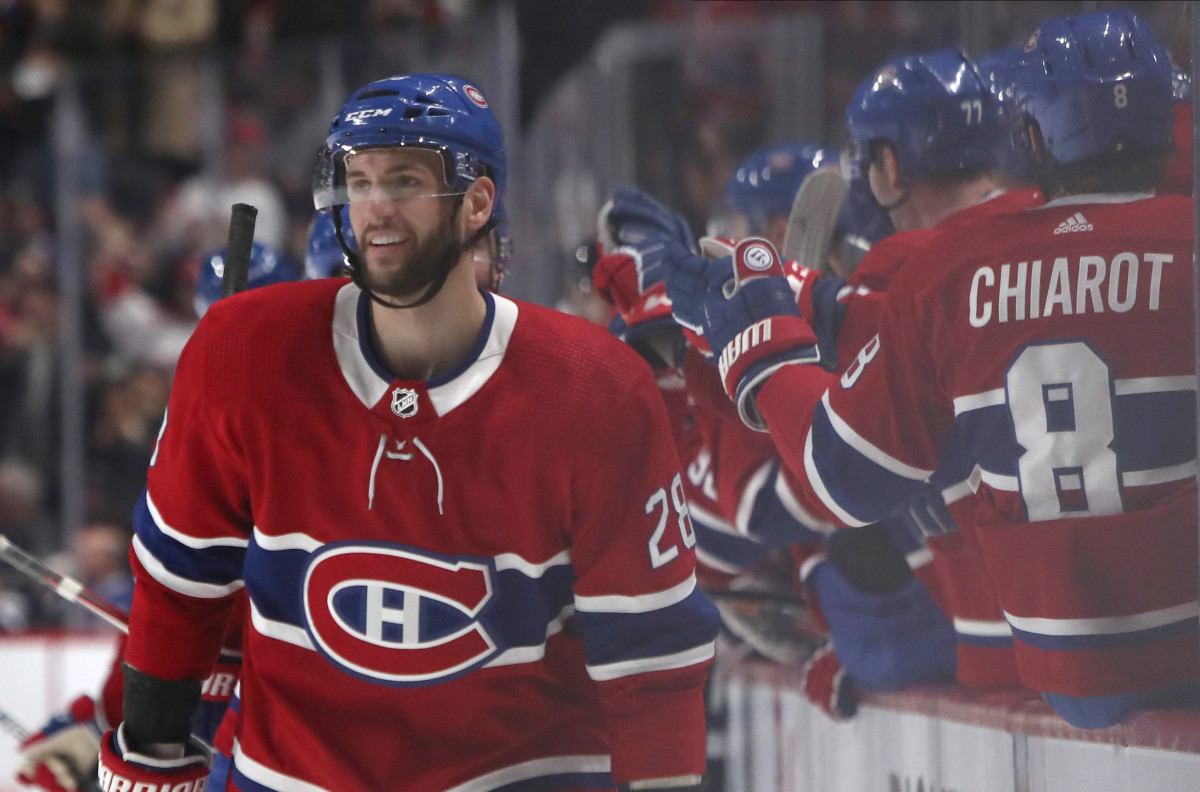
396,615
757,258
475,95
405,402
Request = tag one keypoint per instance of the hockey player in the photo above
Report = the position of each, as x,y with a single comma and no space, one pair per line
483,592
1029,334
61,756
758,196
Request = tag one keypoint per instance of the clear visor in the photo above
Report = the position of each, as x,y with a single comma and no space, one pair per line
345,175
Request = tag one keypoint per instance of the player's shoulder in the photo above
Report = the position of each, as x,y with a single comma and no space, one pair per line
575,343
242,331
887,257
580,372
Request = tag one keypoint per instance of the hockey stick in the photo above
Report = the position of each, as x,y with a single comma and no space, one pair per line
10,725
238,249
813,217
68,588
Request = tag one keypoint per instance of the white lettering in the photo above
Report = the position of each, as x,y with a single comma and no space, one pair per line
1114,282
1014,292
1035,289
978,318
1060,293
1091,285
1156,261
1091,272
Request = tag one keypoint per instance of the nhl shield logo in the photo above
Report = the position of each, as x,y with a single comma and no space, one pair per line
404,402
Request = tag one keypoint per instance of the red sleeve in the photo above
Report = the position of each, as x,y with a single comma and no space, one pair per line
648,631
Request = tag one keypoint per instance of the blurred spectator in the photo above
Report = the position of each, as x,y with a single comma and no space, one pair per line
128,417
23,521
196,218
98,559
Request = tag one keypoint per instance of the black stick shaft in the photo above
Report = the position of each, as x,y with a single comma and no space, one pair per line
238,249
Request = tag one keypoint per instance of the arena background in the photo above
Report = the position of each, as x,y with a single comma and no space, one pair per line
123,123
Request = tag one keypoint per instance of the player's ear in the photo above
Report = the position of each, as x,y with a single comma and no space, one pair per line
477,203
890,165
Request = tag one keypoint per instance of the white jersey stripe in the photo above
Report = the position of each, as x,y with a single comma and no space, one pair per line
536,768
984,629
531,569
531,654
871,452
184,539
1142,478
977,401
749,495
998,481
642,665
711,520
289,541
1107,625
191,588
272,779
639,603
280,631
1124,387
794,507
818,485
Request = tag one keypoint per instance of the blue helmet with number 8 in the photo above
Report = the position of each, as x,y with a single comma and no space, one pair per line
935,110
1095,84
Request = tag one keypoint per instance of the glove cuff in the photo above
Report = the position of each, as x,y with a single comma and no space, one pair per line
759,351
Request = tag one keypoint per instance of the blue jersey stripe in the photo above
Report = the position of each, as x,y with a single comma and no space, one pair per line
219,565
617,637
736,551
1150,431
1108,640
855,483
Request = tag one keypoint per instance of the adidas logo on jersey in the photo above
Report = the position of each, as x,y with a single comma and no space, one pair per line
1076,222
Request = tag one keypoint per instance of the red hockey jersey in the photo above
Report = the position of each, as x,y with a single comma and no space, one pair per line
480,581
1059,341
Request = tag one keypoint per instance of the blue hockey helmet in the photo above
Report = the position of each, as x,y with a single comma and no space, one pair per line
267,266
438,112
764,186
1095,84
934,109
996,67
324,258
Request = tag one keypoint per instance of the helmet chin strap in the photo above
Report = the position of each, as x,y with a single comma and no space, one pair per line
434,285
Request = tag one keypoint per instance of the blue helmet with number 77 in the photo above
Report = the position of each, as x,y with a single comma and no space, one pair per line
935,110
1095,84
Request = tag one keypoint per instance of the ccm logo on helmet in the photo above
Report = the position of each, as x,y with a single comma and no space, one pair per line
396,615
361,116
475,95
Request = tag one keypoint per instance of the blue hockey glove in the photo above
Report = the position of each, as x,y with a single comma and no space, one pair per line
886,640
750,318
633,218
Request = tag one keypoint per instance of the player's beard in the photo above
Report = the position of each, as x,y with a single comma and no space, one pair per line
431,257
